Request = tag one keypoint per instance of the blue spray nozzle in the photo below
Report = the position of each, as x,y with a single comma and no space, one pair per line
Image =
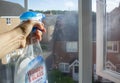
31,15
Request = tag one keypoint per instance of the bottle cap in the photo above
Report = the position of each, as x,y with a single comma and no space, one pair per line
30,15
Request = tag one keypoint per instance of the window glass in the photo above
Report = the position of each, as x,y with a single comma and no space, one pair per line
64,67
8,20
113,46
67,67
112,35
76,69
61,67
61,25
71,46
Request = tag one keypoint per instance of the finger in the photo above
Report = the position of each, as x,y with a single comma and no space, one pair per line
40,26
39,35
37,24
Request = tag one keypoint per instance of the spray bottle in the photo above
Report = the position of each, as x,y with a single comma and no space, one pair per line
30,67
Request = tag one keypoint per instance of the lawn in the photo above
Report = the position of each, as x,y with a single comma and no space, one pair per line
55,76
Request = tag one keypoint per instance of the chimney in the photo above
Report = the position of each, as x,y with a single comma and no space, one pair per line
26,4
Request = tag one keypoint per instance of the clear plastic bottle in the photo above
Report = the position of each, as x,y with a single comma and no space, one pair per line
30,67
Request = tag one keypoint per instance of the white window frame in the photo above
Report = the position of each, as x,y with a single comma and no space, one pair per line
85,41
111,44
63,69
100,68
71,46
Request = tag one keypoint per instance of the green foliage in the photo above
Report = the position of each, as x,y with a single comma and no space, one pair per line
50,11
55,76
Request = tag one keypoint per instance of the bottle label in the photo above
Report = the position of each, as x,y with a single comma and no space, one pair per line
36,72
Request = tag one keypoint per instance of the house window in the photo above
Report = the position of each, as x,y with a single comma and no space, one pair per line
64,67
8,20
71,46
76,69
113,46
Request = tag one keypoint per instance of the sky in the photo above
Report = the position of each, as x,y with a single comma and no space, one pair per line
50,4
110,5
63,4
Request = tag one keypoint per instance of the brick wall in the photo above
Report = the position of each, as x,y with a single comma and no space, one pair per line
60,54
6,27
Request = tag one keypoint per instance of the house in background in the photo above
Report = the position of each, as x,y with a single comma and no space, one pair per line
112,44
113,40
9,15
9,18
65,42
49,23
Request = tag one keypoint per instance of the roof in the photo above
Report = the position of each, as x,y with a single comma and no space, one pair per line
66,25
10,9
75,61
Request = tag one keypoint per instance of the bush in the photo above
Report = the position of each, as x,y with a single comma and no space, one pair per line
55,76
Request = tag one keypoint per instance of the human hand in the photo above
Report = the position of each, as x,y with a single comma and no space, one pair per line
26,28
17,37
